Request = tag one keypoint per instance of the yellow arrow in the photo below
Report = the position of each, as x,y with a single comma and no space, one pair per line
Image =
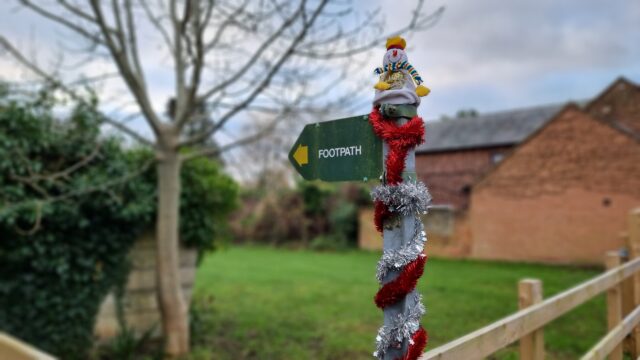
301,155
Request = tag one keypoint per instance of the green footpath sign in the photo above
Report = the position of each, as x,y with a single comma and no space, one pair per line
338,150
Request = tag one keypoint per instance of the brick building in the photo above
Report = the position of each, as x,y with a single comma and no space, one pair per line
563,195
550,183
458,151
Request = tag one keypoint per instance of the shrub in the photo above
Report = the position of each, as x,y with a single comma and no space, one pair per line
208,197
314,214
59,259
127,345
344,220
62,249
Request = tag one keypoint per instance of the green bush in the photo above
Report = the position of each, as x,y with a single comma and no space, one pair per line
62,249
316,195
344,220
318,215
208,197
127,345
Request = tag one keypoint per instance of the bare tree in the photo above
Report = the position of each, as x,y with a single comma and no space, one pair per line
230,60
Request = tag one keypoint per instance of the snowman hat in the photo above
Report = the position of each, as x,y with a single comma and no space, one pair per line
396,42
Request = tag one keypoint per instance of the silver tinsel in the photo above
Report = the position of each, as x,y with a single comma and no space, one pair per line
403,327
397,258
407,198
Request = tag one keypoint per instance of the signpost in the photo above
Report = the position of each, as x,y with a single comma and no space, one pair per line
338,150
353,149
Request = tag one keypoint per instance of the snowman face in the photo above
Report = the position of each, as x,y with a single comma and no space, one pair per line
394,56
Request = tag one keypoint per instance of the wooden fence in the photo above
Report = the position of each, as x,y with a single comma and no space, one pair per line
621,281
14,349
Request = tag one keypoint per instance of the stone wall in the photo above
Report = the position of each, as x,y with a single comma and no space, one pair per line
140,304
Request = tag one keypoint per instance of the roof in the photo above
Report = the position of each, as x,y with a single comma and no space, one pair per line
570,106
486,130
630,128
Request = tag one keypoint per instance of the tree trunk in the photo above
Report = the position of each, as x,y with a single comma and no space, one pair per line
172,305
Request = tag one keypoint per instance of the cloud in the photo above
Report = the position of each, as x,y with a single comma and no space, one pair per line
507,49
487,40
487,54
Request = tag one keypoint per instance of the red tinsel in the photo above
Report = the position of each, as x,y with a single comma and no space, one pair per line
414,351
400,139
396,290
381,213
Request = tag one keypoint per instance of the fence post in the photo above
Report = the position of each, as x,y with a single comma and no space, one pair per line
531,345
627,294
634,252
614,301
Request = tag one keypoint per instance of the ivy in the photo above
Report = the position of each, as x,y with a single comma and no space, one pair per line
60,255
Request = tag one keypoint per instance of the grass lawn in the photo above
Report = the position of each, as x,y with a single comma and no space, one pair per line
264,303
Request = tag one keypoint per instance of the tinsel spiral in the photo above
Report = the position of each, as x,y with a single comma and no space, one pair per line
398,198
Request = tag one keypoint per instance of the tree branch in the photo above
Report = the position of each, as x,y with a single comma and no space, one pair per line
156,23
67,90
129,76
178,60
36,224
133,42
215,151
62,21
256,55
416,23
307,24
77,11
62,173
230,19
197,64
87,190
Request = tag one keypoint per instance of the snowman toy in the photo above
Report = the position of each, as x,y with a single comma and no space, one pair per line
397,77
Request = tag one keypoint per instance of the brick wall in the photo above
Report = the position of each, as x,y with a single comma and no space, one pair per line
562,196
450,175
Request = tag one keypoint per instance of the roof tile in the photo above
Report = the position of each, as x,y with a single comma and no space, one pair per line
486,130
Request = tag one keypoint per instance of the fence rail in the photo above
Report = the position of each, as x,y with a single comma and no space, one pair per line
527,324
14,349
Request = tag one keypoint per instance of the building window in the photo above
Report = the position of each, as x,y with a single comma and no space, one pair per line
496,157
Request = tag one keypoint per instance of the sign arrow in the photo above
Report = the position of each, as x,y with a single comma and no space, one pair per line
338,150
301,155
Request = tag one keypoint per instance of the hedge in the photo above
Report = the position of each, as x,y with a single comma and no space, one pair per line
62,250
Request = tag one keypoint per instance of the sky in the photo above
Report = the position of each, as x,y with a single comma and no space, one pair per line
487,55
494,54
